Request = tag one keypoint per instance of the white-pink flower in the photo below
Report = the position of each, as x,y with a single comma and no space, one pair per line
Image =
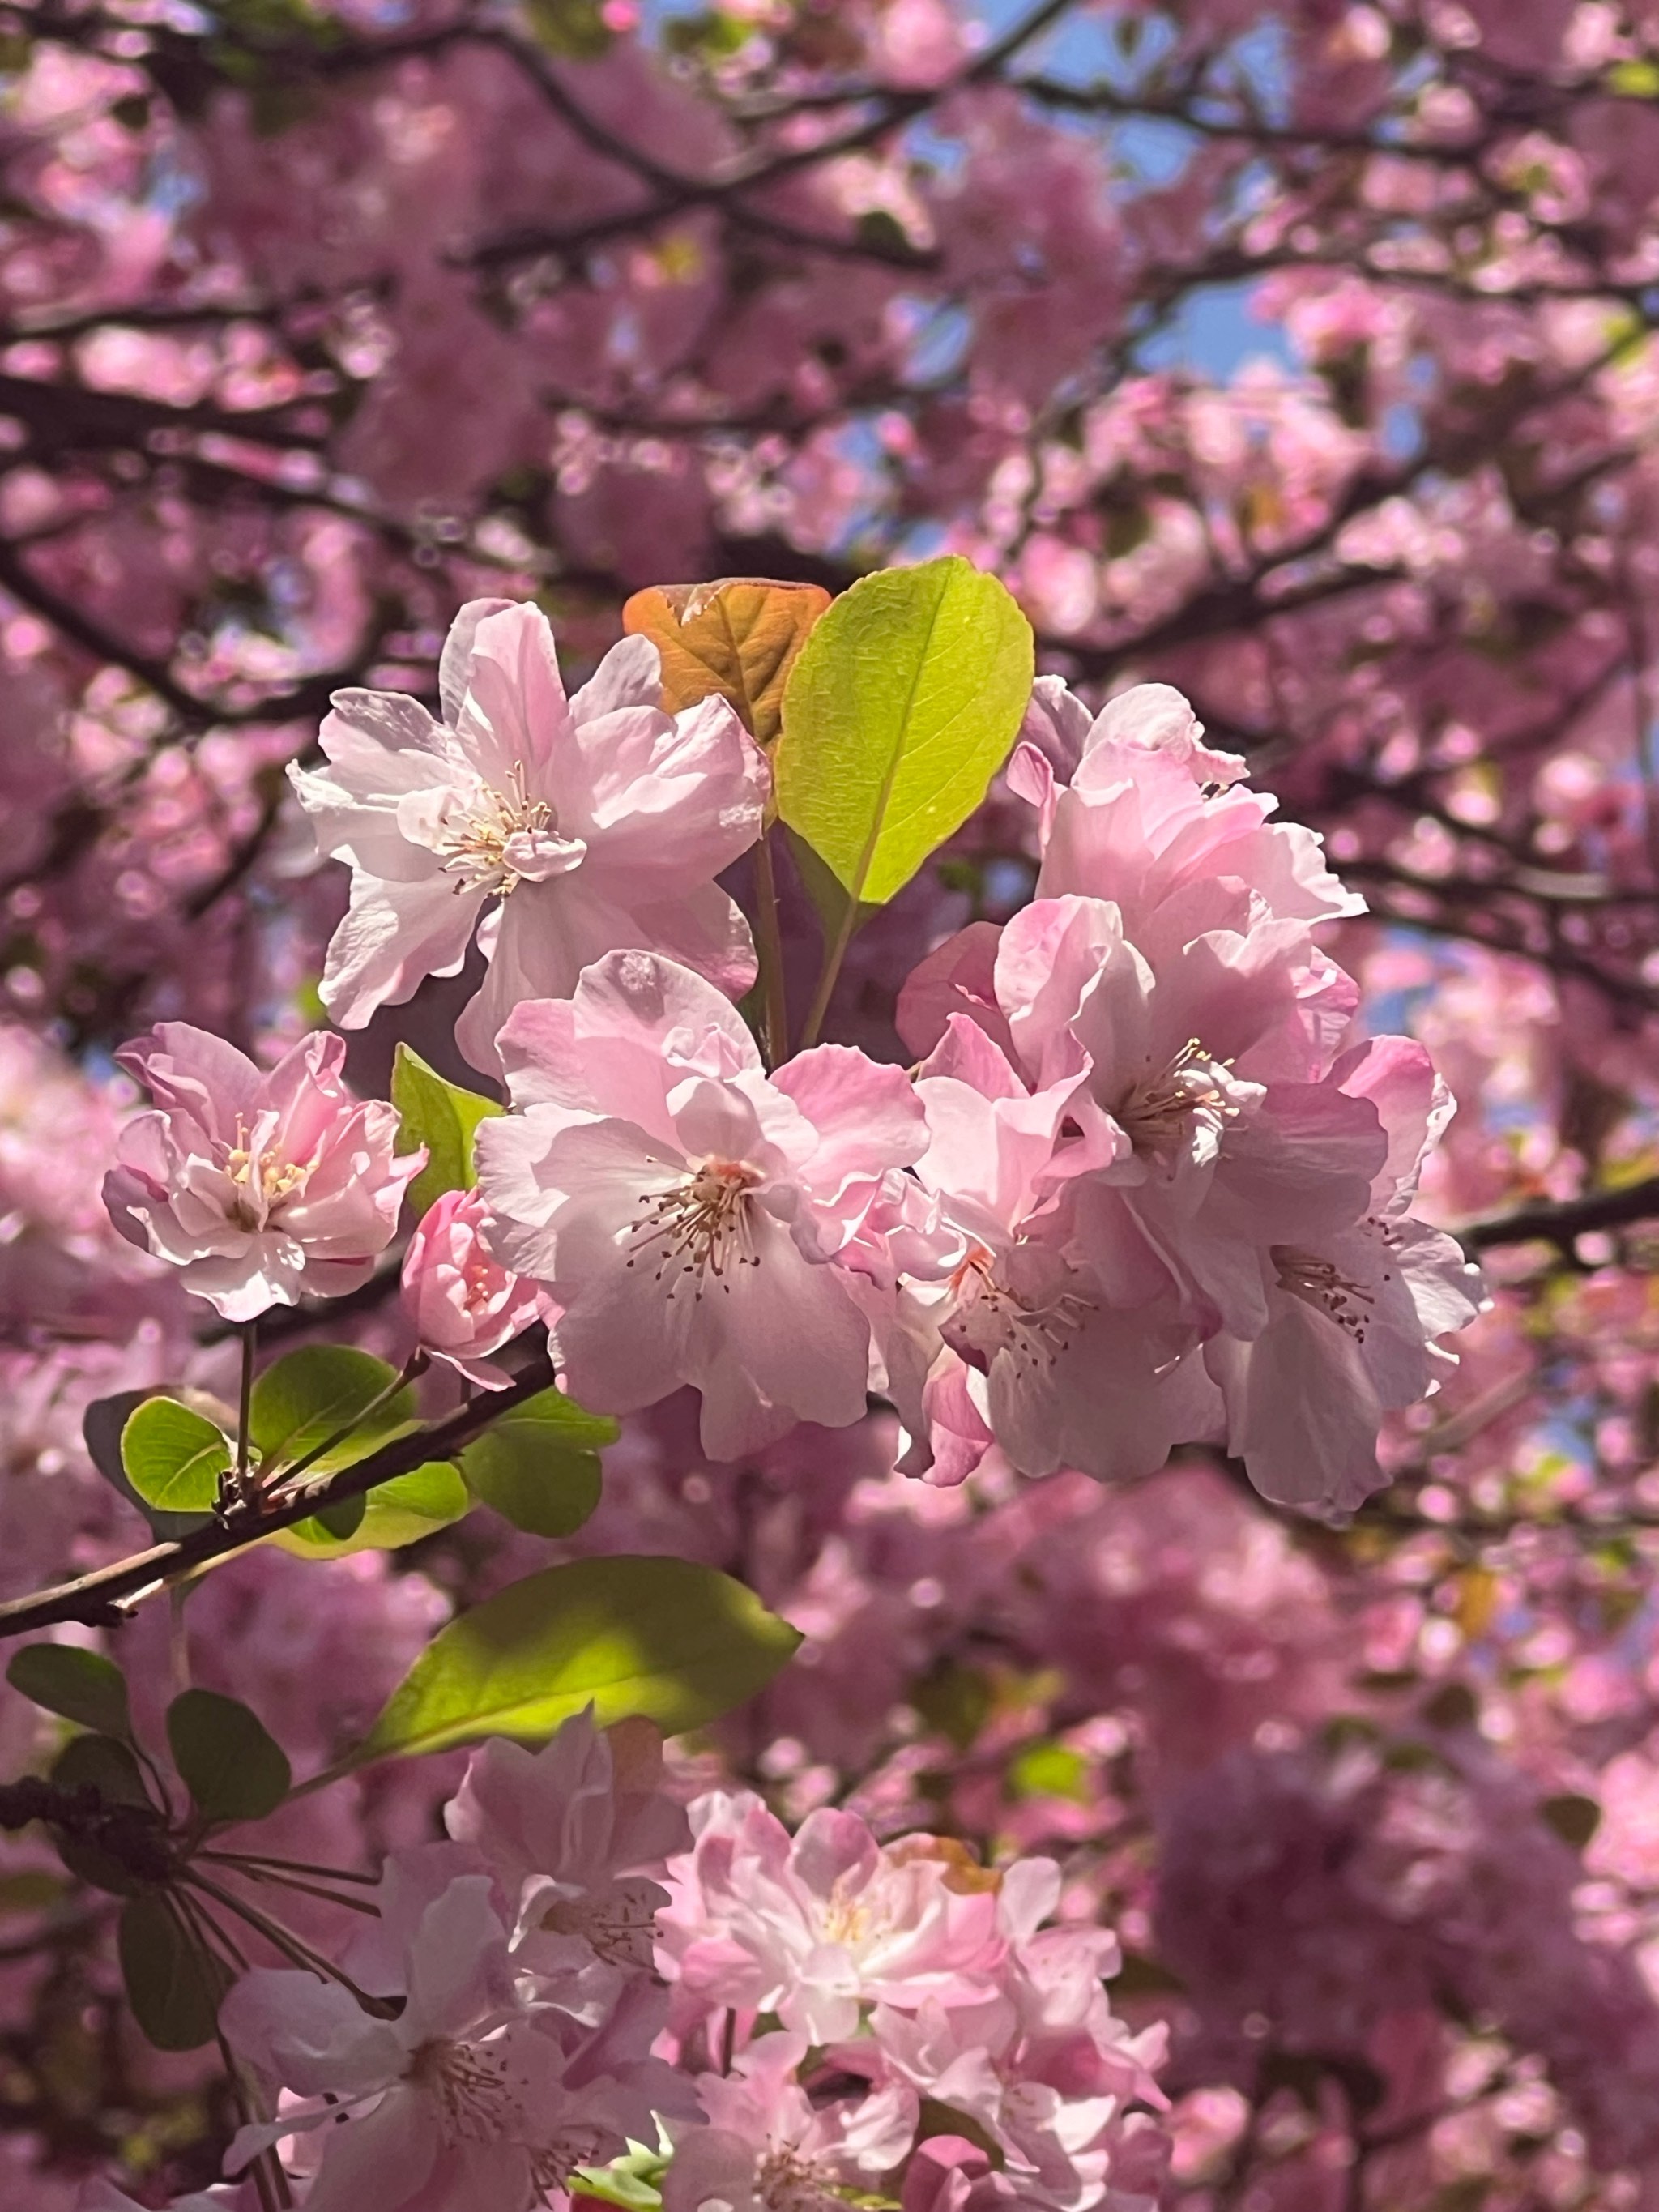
475,2094
463,1303
595,821
694,1219
567,1831
814,1926
1350,1317
260,1188
769,2147
1063,1354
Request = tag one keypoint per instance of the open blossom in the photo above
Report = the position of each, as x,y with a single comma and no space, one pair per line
567,1831
1148,811
260,1188
770,2147
472,2096
1039,1350
463,1303
1350,1317
693,1219
812,1926
559,829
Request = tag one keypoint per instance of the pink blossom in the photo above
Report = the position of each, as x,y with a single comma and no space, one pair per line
1042,1350
1351,1315
567,1831
595,821
260,1189
770,2147
811,1926
463,1303
466,2098
693,1219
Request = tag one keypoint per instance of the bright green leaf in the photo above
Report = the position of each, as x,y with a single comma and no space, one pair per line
174,1457
82,1686
174,1985
101,1427
232,1767
677,1642
442,1116
901,708
389,1516
312,1393
538,1464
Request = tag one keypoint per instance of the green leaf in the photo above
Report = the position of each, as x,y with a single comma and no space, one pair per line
392,1513
311,1394
101,1426
232,1767
173,1984
82,1686
442,1116
173,1458
901,708
677,1642
100,1763
538,1464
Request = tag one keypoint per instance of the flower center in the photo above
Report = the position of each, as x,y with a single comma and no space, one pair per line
263,1179
1158,1113
468,2085
785,2182
620,1924
1318,1284
989,1318
501,842
702,1227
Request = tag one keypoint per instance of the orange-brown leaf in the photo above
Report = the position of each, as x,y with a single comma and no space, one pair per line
738,636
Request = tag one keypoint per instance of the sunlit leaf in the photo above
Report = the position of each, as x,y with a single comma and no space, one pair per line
899,708
392,1513
174,1457
739,637
443,1117
309,1395
677,1642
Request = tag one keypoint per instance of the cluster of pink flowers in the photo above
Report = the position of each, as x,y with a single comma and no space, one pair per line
571,1979
1144,1187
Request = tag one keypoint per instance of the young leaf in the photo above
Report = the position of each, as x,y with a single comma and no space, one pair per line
311,1392
173,1984
232,1767
538,1464
173,1458
83,1687
677,1642
900,709
442,1116
391,1514
101,1427
738,638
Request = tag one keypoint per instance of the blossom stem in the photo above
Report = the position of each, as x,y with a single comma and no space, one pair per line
238,1489
768,951
835,953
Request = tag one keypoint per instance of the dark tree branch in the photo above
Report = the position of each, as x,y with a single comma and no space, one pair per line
94,1598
